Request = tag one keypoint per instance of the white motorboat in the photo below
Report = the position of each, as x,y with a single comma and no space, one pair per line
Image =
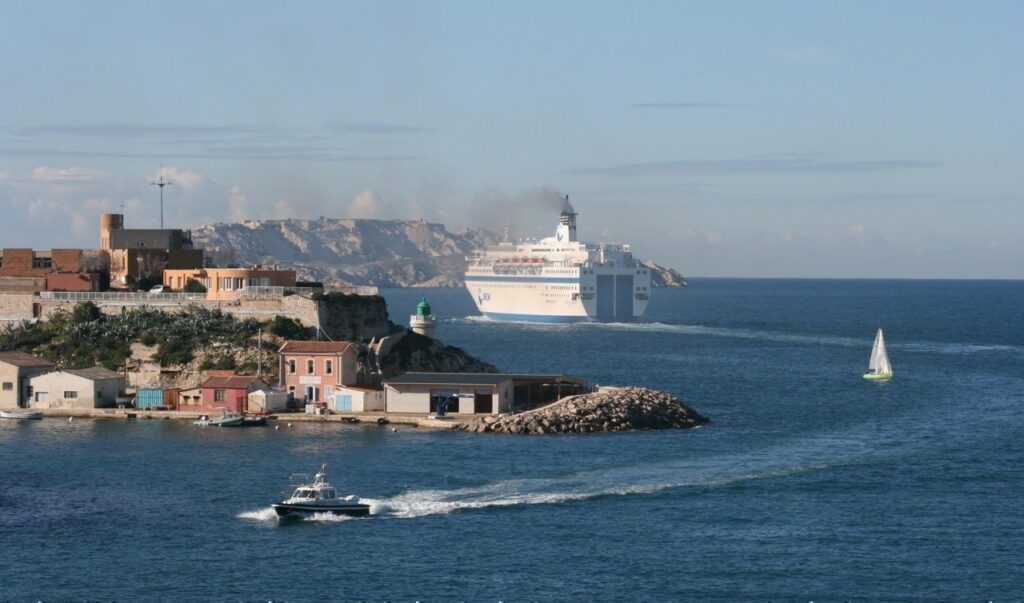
226,420
317,496
21,413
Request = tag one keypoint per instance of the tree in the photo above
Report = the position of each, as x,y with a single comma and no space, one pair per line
85,312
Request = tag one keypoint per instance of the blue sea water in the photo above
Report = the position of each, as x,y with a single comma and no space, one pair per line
810,484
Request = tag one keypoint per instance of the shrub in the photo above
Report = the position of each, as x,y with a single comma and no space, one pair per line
85,312
194,286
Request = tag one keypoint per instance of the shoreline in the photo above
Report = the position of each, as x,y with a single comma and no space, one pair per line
366,418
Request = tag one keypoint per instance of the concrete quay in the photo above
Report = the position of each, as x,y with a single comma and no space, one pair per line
364,418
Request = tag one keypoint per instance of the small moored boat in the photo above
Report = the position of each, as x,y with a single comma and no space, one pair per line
226,420
21,413
317,496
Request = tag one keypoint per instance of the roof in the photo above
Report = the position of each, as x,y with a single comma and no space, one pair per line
314,347
23,360
472,378
94,373
234,382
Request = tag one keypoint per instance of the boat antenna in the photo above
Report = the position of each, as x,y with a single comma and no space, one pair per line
161,183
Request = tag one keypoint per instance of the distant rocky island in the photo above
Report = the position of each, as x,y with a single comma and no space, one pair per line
385,253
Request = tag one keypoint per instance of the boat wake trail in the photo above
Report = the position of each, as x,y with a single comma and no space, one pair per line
624,481
924,347
265,514
268,514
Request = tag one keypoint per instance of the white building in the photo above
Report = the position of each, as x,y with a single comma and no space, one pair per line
94,387
352,398
16,372
474,393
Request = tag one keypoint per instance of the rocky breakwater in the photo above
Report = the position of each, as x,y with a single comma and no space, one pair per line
609,409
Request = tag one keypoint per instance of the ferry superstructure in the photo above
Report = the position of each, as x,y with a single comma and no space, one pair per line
559,279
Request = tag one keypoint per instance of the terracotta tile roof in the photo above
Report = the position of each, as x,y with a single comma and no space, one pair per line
314,347
234,382
23,360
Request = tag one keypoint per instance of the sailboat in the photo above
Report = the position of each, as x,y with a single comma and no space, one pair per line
879,368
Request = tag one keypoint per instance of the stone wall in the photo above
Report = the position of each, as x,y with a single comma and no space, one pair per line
15,307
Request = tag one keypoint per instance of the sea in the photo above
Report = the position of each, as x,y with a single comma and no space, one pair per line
809,484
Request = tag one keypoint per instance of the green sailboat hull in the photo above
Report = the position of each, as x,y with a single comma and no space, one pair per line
878,376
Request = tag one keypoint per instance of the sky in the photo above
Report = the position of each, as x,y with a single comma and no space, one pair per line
763,139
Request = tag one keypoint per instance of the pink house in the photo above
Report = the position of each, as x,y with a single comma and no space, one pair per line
230,393
312,370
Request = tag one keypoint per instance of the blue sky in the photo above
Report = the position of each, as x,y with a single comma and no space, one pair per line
857,139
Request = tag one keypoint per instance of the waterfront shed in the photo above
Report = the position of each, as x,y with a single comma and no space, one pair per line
95,387
16,370
265,400
353,398
475,393
230,393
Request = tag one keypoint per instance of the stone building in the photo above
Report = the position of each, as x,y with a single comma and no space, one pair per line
145,252
94,387
16,370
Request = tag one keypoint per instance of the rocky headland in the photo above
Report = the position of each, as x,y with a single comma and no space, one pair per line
385,253
608,409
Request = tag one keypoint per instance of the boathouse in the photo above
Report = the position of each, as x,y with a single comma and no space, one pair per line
95,387
475,393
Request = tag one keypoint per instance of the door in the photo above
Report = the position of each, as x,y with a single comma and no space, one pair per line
483,403
312,393
343,402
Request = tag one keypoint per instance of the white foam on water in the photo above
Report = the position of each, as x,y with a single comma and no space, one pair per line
932,347
575,488
326,518
266,514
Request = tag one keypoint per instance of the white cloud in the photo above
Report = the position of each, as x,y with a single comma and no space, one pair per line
238,204
855,230
186,179
365,205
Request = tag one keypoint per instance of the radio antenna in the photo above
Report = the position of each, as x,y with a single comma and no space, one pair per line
161,183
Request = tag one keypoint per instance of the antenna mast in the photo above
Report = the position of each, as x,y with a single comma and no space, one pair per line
161,183
508,225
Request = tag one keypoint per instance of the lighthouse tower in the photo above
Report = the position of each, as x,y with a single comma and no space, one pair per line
423,322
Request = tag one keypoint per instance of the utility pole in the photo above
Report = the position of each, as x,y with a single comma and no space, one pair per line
161,183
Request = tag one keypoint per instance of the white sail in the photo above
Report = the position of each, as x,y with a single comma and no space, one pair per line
879,363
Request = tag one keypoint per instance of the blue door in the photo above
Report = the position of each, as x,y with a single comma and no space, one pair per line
342,402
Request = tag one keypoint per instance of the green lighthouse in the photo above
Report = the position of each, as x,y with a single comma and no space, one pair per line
423,321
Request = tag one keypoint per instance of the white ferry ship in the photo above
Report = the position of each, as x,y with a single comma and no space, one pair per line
558,279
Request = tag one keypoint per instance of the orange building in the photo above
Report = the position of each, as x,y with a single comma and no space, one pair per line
228,283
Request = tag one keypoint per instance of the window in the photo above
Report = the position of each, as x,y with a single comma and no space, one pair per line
310,369
70,395
8,386
218,395
42,262
329,367
291,367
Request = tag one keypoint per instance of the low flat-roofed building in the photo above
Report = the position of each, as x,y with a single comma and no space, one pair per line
228,283
16,372
475,393
354,398
94,387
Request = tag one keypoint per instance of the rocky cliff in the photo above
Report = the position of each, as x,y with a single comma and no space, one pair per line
385,253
